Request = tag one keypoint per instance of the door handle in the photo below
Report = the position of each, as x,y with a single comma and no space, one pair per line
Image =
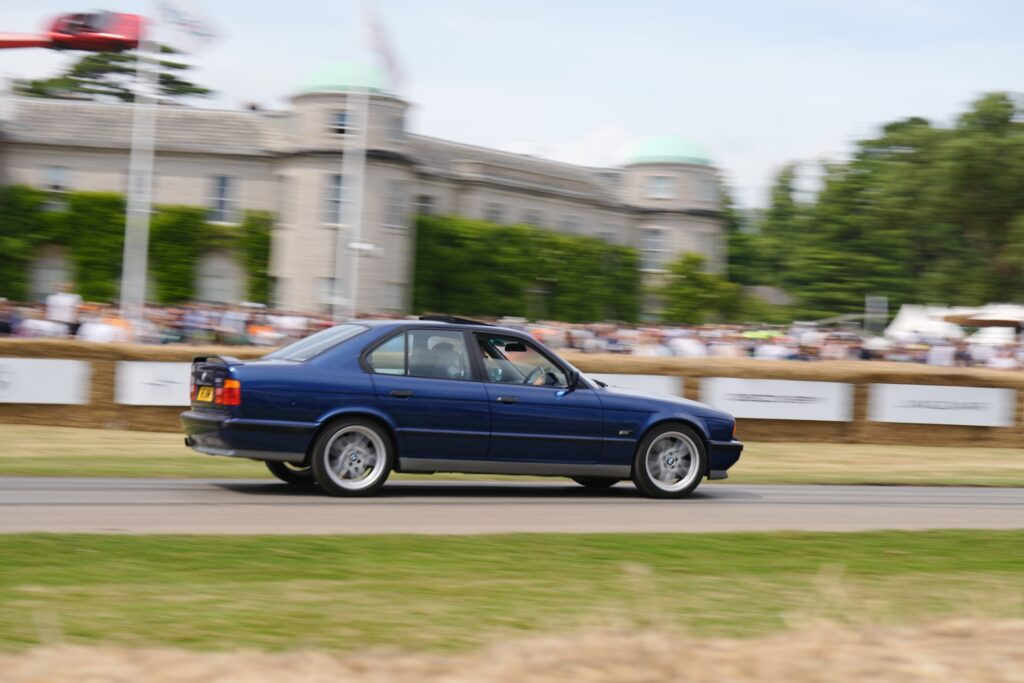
401,393
508,399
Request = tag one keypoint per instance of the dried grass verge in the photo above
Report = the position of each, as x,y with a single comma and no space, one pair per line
966,651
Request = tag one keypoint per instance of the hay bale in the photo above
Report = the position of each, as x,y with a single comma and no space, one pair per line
104,412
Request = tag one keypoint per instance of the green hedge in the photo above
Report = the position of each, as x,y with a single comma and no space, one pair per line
91,226
471,267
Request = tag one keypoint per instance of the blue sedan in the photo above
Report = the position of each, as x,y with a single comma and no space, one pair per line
347,406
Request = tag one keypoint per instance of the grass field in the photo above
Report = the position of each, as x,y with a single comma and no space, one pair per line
453,593
64,451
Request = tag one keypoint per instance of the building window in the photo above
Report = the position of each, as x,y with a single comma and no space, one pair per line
283,197
333,199
50,268
223,202
394,205
533,217
652,249
425,204
56,181
394,296
128,188
219,278
494,212
569,224
339,123
661,187
396,128
56,178
607,234
708,190
326,290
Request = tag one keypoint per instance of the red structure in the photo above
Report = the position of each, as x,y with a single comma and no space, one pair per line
89,32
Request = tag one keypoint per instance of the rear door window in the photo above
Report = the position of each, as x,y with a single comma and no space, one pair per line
440,354
389,357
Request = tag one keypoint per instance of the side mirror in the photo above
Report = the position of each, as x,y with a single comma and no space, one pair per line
574,381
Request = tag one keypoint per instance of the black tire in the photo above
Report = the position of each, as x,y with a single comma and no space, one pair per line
291,473
330,470
596,482
696,460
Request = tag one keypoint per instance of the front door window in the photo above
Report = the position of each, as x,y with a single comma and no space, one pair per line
509,360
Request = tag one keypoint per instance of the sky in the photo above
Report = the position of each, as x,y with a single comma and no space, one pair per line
757,84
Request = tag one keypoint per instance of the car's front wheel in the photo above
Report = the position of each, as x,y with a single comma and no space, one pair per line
669,462
352,458
291,473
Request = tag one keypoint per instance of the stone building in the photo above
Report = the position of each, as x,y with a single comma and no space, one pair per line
663,202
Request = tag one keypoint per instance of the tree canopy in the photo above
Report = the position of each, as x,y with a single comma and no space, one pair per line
920,214
111,76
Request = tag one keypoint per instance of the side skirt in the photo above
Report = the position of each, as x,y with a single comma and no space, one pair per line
552,469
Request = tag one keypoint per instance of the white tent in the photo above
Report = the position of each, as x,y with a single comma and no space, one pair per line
914,323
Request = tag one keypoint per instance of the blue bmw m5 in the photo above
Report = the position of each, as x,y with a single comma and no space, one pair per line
347,406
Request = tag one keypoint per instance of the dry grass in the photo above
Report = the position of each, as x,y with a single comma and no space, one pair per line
844,463
68,451
965,651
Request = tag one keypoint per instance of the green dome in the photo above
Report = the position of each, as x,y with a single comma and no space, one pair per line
669,149
344,76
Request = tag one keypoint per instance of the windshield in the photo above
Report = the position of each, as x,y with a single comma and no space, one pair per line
304,349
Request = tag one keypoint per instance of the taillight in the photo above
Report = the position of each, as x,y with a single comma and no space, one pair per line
192,388
230,393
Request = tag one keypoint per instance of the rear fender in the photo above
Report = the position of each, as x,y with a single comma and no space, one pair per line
360,411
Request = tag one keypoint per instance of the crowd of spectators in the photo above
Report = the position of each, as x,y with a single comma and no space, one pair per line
801,342
65,315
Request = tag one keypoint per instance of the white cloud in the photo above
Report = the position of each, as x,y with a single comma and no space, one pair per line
601,146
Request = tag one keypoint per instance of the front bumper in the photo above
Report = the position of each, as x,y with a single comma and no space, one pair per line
214,434
721,456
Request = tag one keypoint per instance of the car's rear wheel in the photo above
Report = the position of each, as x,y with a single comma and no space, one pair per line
352,458
291,473
669,462
596,482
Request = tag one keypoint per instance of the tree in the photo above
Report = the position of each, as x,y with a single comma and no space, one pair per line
471,267
691,294
920,214
111,76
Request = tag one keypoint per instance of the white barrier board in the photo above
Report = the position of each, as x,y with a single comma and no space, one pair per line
141,383
665,385
45,380
942,405
778,399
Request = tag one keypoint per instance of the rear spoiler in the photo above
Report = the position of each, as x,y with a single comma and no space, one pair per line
220,360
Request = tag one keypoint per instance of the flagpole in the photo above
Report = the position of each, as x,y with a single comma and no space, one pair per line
140,171
348,241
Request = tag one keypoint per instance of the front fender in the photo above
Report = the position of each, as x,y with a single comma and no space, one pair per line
698,423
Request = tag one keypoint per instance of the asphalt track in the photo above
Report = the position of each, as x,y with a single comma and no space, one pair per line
201,506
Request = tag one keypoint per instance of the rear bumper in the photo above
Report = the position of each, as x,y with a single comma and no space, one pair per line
255,439
721,456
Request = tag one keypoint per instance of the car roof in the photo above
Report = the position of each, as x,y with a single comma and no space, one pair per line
478,327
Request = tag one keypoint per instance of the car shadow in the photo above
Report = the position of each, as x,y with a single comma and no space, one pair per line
482,489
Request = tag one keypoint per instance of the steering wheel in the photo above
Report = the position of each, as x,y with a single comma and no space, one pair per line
531,375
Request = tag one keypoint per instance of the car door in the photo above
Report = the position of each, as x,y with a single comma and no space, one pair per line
423,379
533,417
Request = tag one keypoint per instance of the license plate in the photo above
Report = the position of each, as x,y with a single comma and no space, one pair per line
205,394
